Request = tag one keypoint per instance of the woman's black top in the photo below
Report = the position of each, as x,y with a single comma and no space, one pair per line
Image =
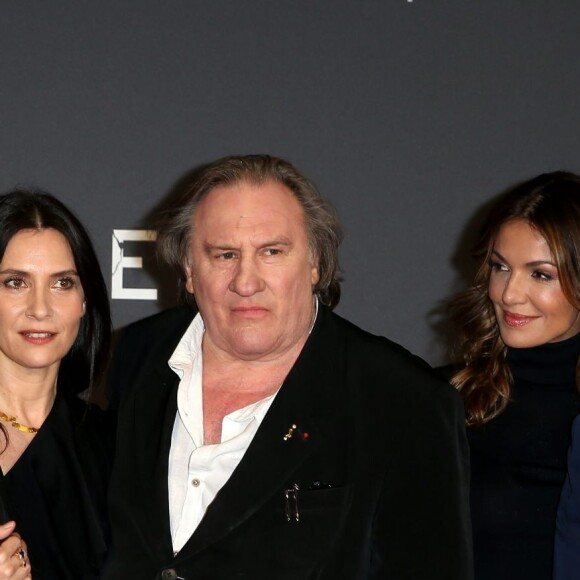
518,465
56,492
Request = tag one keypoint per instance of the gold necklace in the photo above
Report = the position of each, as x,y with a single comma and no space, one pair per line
14,423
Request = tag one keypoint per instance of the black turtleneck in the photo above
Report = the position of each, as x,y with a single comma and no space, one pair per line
518,464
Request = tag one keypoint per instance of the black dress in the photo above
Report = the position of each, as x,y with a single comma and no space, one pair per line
518,465
56,492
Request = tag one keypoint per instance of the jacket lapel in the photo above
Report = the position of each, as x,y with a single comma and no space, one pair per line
305,400
155,408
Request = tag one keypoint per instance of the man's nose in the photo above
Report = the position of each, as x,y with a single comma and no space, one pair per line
39,303
247,278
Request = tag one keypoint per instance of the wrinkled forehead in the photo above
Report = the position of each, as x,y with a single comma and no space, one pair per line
237,207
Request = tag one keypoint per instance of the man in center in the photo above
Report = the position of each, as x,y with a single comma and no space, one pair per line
266,437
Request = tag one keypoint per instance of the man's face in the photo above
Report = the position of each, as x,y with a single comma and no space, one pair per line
251,271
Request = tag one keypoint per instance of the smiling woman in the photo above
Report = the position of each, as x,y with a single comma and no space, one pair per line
518,346
41,302
54,338
524,288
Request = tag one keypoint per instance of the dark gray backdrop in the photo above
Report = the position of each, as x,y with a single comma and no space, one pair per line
409,115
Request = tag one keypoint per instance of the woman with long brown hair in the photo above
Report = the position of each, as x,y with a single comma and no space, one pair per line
517,348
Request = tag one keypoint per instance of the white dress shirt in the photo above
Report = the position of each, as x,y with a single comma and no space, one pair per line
197,471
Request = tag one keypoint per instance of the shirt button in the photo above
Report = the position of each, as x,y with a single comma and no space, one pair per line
195,482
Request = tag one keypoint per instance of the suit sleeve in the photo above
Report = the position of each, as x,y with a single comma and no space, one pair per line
422,525
567,542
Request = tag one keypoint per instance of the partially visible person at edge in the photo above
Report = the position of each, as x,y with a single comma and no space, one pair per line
55,449
266,437
567,542
517,347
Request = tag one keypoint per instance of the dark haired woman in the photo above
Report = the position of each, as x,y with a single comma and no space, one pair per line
55,450
518,345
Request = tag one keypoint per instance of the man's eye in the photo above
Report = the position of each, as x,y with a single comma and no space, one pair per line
227,256
272,251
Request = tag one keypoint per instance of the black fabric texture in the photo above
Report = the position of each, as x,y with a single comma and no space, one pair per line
518,465
56,492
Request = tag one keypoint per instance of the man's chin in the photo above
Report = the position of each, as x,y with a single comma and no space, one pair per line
253,350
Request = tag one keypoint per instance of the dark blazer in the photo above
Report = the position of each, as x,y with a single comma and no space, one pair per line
379,455
567,543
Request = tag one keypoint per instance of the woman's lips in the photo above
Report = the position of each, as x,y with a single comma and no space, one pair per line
37,336
517,320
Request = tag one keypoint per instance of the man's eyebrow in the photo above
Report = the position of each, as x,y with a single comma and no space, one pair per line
281,241
530,264
219,246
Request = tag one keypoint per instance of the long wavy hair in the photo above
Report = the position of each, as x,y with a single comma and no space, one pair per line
549,203
175,225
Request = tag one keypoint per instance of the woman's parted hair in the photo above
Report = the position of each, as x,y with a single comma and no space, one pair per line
36,210
549,203
324,232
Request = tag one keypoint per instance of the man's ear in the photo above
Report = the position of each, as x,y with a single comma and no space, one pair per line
188,277
314,274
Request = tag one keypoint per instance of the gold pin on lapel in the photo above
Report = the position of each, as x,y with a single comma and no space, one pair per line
303,435
290,432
